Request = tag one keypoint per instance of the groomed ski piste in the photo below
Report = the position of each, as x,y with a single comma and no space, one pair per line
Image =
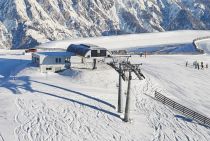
81,104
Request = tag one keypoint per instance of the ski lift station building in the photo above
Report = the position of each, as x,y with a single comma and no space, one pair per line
88,51
52,61
56,61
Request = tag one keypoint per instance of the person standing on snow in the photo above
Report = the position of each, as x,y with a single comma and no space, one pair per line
202,66
186,63
198,66
195,64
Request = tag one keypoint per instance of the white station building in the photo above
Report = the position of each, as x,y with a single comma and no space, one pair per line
56,61
52,61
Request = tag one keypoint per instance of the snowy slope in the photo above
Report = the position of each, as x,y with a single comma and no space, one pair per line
135,41
80,104
60,107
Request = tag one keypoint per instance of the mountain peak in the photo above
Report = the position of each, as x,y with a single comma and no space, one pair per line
26,23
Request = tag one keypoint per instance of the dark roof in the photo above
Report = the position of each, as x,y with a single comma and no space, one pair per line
78,49
82,49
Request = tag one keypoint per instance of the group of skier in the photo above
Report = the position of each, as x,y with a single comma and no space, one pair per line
198,65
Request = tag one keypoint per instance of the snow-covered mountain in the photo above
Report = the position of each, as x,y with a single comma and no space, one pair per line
26,23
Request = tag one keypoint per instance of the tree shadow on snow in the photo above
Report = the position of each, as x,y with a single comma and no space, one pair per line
8,71
10,67
19,83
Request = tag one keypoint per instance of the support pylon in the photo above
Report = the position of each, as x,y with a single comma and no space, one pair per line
127,107
120,98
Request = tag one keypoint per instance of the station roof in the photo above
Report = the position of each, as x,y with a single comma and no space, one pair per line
82,49
55,54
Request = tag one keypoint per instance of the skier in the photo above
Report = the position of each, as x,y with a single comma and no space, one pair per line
198,66
202,67
207,65
186,63
195,64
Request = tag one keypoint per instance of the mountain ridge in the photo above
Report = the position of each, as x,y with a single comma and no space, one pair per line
26,23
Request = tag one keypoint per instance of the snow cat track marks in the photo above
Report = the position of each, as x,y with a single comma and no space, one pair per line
162,118
42,124
47,120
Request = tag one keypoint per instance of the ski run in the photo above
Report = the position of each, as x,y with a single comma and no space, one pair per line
81,104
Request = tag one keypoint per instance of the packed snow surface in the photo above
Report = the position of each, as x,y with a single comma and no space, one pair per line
80,104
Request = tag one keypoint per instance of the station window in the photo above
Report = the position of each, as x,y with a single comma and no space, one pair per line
103,53
58,60
94,53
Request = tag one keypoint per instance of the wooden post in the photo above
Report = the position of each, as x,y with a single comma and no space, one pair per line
120,98
127,107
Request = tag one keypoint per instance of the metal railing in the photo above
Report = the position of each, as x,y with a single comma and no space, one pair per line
184,110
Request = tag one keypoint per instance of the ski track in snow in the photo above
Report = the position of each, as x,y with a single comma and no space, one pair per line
166,125
39,121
